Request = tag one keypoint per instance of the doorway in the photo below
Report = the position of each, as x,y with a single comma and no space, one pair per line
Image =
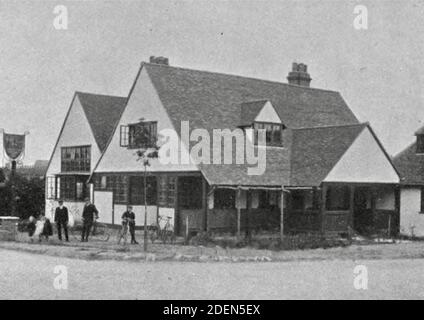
362,210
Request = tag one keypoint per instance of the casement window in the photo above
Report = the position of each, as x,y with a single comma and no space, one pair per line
51,188
273,133
137,190
171,196
76,159
123,134
338,198
167,191
100,182
74,188
139,135
118,184
420,143
190,192
224,199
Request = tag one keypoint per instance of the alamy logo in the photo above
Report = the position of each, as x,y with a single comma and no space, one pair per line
224,147
60,22
361,18
60,282
360,280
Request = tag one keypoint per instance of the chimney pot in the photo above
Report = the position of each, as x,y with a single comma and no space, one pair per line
299,75
159,60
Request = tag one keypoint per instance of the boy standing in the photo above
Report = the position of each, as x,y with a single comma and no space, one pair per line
61,218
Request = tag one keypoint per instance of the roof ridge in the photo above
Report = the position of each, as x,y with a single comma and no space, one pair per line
99,94
256,100
335,126
404,150
238,76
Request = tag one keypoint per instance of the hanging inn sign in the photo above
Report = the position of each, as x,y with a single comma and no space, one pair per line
14,145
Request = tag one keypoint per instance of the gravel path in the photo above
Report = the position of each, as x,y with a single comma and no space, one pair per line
31,276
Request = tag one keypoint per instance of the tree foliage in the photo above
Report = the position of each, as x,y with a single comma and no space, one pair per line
29,196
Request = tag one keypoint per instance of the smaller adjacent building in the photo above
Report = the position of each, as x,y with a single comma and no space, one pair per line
85,132
410,164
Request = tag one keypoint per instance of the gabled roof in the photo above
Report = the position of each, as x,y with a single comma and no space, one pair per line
103,113
321,124
277,171
213,100
410,165
250,110
315,151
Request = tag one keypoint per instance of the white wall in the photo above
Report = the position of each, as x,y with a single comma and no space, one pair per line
268,114
143,103
76,132
75,209
411,221
119,209
363,162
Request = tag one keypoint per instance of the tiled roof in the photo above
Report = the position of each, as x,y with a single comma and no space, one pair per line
315,151
103,113
277,171
410,166
218,101
213,100
249,111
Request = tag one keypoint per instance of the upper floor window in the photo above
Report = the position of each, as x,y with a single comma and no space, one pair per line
420,143
139,135
273,133
76,159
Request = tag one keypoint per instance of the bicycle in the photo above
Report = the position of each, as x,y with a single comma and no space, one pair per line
166,233
98,230
123,232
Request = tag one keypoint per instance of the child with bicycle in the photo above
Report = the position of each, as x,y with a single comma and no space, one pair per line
128,222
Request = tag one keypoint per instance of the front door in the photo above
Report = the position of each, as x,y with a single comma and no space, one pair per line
362,212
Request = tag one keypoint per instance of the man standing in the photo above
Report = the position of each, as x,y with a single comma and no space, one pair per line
129,217
89,214
61,219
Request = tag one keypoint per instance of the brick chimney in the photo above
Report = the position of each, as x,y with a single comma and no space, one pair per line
159,60
299,75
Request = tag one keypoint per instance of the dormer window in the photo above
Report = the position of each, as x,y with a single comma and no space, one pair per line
139,135
273,133
420,143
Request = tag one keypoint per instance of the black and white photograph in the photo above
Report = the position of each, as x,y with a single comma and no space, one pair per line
188,151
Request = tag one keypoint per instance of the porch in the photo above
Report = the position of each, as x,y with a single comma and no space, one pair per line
332,209
344,209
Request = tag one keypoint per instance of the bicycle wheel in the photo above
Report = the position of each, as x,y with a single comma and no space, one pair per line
153,233
101,232
122,235
75,232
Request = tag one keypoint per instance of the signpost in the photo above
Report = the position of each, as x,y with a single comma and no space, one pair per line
14,149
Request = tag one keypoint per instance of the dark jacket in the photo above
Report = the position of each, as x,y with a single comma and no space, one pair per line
128,217
61,215
31,228
89,212
48,229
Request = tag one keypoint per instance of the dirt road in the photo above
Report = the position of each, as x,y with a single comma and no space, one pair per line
30,276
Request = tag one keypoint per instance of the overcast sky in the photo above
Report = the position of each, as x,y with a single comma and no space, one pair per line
379,71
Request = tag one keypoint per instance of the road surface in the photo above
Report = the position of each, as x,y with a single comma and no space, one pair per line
31,276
